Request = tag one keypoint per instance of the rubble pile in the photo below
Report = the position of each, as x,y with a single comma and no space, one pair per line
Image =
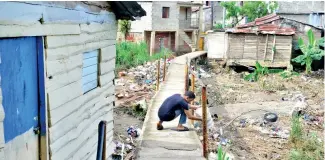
133,90
138,83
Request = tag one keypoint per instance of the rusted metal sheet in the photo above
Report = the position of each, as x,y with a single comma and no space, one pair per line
262,25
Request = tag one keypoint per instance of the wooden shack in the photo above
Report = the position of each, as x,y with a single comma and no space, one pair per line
269,44
57,62
269,49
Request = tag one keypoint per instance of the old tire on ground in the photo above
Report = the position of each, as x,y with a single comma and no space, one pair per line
270,117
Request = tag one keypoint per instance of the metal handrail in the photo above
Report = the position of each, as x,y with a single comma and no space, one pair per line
101,147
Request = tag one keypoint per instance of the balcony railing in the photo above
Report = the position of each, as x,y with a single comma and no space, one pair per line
189,23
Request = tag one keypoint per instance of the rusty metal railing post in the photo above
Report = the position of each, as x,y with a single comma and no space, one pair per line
164,77
193,90
193,83
204,122
158,75
186,76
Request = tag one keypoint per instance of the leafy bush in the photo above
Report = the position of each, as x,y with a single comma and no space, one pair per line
124,27
218,26
288,74
130,54
311,51
260,71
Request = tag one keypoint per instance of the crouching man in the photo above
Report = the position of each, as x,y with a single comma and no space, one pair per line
177,105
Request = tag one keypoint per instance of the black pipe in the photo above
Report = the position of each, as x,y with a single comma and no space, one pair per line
101,139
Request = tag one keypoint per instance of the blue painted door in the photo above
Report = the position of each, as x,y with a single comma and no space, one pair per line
20,91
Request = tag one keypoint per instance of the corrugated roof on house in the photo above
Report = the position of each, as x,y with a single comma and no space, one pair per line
262,25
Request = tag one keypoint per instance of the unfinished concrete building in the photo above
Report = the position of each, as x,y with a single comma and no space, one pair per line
167,25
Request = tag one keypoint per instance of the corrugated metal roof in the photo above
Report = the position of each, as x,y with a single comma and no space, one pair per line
263,25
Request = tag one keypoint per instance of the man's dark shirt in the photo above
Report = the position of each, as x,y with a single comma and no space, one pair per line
170,105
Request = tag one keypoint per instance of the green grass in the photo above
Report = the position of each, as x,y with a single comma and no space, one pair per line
305,147
296,130
221,154
131,54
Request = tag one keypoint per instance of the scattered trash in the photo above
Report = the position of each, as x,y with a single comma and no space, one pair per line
122,74
133,131
284,99
242,123
270,117
138,83
224,141
148,81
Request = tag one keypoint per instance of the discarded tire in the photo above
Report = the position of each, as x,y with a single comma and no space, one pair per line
270,117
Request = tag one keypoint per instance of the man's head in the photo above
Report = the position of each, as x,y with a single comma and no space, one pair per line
189,96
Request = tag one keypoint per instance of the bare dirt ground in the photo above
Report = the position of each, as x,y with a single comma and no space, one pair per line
248,137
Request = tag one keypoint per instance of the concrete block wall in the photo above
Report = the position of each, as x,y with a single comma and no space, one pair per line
159,23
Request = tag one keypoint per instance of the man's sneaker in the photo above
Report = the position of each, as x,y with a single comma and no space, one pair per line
159,126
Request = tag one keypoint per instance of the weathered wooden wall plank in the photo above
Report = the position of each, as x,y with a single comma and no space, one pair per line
55,67
106,78
74,139
110,145
65,52
107,53
106,67
23,13
70,40
98,27
72,106
56,97
81,114
63,79
38,29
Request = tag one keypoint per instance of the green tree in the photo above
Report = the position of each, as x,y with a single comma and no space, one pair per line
125,27
256,9
250,9
311,51
234,12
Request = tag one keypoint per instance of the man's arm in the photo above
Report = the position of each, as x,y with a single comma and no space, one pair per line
190,116
194,107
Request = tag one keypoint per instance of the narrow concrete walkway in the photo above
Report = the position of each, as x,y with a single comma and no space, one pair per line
169,144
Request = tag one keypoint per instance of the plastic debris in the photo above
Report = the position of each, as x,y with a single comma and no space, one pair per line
133,131
224,141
